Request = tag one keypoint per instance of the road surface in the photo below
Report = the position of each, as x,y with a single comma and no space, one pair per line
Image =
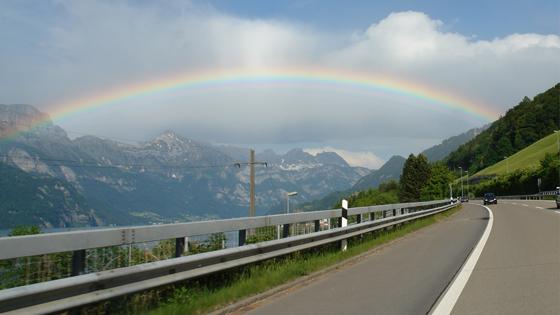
518,271
404,278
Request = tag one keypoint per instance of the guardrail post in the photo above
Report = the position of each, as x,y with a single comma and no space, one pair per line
242,237
344,223
358,218
372,216
78,262
285,230
179,246
317,225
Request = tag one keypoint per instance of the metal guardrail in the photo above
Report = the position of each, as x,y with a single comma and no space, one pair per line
40,244
538,196
72,292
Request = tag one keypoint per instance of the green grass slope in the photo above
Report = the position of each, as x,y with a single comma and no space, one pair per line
529,157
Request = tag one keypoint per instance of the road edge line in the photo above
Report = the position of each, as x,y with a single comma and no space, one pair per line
446,304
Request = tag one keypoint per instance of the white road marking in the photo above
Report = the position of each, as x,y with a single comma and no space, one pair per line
524,205
450,297
557,211
539,207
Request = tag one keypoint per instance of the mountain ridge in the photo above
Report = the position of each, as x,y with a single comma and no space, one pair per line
169,177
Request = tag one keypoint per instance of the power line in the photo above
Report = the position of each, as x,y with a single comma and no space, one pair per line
94,164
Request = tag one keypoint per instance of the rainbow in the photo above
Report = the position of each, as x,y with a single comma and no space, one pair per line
205,79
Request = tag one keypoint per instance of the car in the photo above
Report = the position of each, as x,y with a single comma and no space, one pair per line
490,198
465,199
557,201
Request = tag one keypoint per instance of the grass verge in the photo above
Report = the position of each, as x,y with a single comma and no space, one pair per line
205,295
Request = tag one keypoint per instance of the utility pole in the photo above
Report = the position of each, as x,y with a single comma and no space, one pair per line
251,164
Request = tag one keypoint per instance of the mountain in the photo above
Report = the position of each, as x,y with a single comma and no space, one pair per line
168,178
442,150
521,126
392,169
27,199
327,202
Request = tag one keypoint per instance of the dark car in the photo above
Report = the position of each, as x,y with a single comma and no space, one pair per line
465,199
490,198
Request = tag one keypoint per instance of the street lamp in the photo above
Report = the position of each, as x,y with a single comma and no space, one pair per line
557,132
293,193
461,169
467,183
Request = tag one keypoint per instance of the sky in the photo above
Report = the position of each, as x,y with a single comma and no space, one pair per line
489,53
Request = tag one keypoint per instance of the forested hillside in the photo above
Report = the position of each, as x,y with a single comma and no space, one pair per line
40,200
442,150
386,193
391,170
521,126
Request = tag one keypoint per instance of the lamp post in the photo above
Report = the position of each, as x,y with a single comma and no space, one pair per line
293,193
461,169
557,132
467,184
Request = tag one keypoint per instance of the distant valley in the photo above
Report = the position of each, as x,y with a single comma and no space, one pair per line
171,177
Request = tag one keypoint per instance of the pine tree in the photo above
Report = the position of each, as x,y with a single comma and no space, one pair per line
415,175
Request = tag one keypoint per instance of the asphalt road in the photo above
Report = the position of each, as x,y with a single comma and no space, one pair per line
519,269
405,277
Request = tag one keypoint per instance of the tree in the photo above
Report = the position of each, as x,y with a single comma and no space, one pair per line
437,186
521,126
25,230
415,175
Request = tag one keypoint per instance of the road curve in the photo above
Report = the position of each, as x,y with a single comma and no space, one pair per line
405,277
519,269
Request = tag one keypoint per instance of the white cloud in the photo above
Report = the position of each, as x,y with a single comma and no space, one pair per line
498,72
95,46
354,158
